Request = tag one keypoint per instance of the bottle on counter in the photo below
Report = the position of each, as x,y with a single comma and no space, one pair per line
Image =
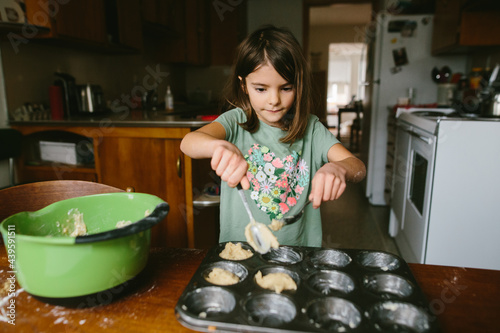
475,78
169,100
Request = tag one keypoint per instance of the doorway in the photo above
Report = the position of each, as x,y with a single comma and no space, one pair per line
329,22
336,47
346,77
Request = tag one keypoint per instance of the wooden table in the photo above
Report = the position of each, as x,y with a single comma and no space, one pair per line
355,127
465,300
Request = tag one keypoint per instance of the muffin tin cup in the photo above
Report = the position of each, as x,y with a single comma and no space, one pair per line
338,290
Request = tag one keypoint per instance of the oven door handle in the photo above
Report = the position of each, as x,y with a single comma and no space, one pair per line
419,136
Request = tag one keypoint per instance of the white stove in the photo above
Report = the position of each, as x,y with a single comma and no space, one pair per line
428,119
445,188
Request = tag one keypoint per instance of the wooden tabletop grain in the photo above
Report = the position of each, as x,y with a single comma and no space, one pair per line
464,299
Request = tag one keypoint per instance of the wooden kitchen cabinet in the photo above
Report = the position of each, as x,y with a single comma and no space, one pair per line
110,25
147,159
194,32
227,29
149,165
82,20
163,15
197,20
464,25
124,24
179,30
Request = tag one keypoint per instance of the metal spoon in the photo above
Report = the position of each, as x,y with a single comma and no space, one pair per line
294,218
262,245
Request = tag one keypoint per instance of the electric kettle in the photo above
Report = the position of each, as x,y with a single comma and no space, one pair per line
90,98
494,105
69,95
80,99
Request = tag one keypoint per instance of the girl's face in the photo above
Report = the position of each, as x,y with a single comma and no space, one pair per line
270,95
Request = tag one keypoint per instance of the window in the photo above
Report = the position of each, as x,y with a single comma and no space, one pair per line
346,72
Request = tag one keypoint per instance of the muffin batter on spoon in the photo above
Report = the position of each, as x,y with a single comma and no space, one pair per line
257,234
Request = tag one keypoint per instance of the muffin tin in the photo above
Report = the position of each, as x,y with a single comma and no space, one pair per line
338,290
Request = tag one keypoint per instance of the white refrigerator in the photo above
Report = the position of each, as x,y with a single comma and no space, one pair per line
402,60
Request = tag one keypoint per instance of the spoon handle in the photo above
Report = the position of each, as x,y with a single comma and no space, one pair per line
245,202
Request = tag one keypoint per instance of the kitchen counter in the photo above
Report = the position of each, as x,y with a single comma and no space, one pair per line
465,300
147,143
127,118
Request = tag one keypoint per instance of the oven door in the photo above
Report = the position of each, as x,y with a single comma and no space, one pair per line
412,239
399,178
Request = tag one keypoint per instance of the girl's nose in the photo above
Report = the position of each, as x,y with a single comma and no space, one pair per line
274,98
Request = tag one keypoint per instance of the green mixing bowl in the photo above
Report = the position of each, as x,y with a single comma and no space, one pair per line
49,263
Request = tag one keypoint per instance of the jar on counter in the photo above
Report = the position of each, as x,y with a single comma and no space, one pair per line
475,78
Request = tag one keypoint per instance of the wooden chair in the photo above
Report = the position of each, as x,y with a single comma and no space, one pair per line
35,196
354,139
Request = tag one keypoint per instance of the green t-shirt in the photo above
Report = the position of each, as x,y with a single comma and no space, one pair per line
279,175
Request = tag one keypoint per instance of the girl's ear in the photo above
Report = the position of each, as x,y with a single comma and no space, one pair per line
242,85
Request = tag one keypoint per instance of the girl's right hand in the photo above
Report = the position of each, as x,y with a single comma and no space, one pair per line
229,164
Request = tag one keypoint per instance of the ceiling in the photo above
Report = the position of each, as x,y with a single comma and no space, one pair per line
340,14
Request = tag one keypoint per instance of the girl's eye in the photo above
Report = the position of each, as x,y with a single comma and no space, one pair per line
260,89
287,88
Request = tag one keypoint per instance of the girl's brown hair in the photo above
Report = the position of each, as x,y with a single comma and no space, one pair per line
278,47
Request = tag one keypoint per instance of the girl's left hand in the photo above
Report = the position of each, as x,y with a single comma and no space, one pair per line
328,183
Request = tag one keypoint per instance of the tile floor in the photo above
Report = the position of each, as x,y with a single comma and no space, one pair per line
351,222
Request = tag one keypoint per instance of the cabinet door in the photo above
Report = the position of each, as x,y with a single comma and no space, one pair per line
227,30
176,228
167,14
197,47
180,31
124,22
149,10
149,165
446,29
462,24
82,20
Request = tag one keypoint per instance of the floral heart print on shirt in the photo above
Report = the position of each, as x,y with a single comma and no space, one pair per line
276,182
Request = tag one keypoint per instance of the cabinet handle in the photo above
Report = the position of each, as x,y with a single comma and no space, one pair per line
179,167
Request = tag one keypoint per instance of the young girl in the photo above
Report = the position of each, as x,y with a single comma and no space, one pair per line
271,144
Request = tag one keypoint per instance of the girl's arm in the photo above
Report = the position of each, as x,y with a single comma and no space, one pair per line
226,159
329,182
